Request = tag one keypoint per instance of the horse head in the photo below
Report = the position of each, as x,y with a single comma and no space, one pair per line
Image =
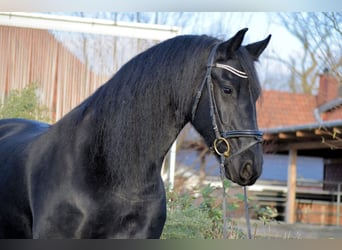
224,109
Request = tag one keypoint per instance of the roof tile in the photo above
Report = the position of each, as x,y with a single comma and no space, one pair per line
280,109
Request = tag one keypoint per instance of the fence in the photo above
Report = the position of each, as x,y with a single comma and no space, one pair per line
315,204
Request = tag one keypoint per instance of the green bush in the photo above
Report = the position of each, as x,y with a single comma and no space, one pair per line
24,104
189,223
186,220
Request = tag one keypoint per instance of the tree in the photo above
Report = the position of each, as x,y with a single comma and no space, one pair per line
320,35
24,104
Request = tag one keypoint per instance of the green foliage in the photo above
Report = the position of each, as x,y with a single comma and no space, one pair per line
24,104
213,209
266,214
191,217
198,215
184,220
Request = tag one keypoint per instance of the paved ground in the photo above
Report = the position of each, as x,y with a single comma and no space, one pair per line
281,230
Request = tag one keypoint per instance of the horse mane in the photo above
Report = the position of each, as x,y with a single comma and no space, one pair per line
150,97
138,104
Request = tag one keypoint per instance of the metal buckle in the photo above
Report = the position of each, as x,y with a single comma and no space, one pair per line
217,142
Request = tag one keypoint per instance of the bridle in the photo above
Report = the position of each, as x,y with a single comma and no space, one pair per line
222,137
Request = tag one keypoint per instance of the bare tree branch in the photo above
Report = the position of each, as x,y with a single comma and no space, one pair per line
320,35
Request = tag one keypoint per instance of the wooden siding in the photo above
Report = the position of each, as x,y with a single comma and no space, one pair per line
318,213
35,56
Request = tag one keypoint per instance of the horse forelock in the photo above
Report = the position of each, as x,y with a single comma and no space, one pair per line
247,63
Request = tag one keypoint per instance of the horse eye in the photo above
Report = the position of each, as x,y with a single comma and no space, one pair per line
227,90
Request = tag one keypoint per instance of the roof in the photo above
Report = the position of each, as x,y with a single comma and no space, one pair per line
285,109
301,121
279,109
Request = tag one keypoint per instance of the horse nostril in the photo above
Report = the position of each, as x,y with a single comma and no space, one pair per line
246,172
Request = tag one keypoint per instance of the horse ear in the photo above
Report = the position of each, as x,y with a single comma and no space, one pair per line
255,49
234,43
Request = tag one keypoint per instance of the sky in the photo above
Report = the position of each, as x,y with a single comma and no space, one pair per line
175,5
272,73
260,24
224,25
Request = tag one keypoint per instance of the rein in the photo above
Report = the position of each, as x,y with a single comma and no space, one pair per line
222,137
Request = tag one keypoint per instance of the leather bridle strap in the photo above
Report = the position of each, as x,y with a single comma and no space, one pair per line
243,133
222,137
257,135
207,75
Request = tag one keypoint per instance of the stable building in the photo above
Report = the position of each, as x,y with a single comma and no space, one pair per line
296,125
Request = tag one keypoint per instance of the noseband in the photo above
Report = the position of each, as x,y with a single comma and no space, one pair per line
222,137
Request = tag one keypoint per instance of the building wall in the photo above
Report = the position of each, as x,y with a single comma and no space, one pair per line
35,56
318,213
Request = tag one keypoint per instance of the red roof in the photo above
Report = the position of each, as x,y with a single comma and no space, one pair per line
284,109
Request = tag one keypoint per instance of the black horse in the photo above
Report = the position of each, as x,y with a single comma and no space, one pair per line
96,172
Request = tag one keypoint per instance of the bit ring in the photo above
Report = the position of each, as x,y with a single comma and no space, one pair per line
217,142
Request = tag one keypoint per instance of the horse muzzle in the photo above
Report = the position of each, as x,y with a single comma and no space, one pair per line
244,169
245,164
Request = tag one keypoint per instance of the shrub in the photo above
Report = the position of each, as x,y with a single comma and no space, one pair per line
202,221
24,104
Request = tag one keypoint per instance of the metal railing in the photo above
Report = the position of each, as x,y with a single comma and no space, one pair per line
316,202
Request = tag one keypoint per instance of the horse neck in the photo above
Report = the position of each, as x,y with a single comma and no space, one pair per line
147,120
133,126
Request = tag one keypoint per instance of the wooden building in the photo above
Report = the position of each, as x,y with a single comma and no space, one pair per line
305,125
35,56
30,53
